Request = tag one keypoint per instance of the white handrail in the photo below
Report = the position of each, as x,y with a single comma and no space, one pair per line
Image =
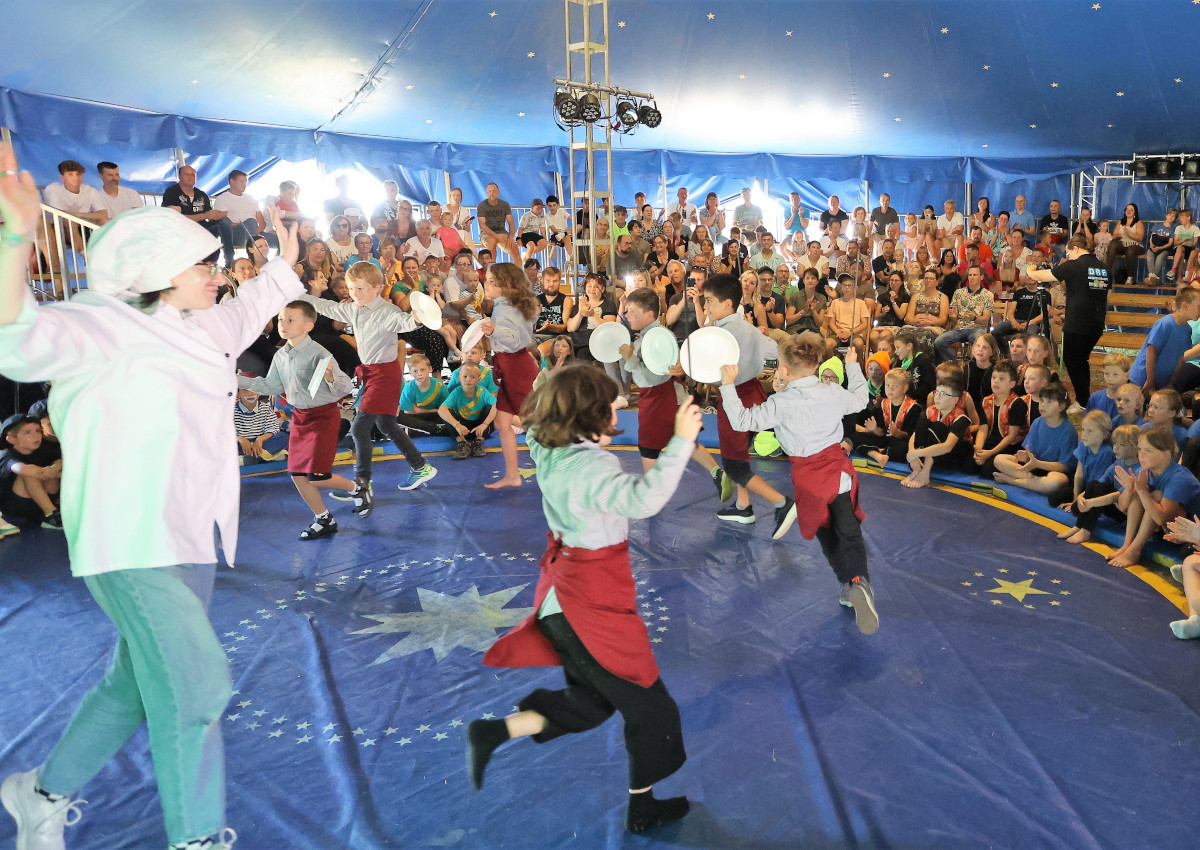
58,268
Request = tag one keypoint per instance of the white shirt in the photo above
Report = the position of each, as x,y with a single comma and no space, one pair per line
126,199
416,249
291,371
947,225
556,220
686,211
142,406
240,207
87,201
827,245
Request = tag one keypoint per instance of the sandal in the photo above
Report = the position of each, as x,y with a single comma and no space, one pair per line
321,527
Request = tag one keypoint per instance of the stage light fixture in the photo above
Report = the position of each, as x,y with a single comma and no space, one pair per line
566,106
1141,169
627,113
1166,168
649,115
1191,168
589,108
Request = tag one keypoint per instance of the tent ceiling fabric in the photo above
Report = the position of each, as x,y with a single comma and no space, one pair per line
965,78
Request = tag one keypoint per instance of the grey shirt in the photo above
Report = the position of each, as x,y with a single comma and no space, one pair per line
513,332
641,375
754,347
375,326
292,368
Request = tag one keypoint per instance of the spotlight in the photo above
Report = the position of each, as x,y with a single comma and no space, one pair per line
567,106
589,108
1141,169
1166,168
1191,168
649,115
627,113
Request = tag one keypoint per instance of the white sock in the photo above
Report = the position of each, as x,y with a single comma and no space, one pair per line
1187,629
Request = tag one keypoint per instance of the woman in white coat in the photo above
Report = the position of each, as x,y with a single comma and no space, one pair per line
149,491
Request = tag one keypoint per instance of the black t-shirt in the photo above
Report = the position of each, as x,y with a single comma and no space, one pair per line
197,202
924,377
1028,303
1058,227
1087,286
949,284
884,298
1018,416
881,264
552,309
778,309
827,217
686,323
48,453
930,433
882,219
336,207
979,382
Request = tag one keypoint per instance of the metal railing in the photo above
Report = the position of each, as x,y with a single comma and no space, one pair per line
58,267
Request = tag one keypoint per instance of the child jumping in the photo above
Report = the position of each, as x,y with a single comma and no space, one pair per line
806,414
316,419
586,612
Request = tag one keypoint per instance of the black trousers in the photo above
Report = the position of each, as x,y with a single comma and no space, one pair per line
427,422
1087,519
653,734
1076,349
360,432
842,541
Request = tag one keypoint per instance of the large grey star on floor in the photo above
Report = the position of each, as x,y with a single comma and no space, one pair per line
445,622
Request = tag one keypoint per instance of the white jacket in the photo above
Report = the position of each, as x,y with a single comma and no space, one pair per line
142,405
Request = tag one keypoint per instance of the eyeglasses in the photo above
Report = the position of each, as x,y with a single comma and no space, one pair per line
941,394
213,271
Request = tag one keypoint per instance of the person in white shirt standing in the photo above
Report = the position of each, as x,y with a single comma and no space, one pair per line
115,197
950,226
142,536
245,220
688,215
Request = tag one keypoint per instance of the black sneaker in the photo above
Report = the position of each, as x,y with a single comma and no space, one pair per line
784,517
321,526
364,499
52,521
732,513
477,448
862,599
844,596
462,450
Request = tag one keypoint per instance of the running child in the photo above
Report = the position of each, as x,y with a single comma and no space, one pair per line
722,294
586,612
316,419
806,414
376,323
658,401
510,330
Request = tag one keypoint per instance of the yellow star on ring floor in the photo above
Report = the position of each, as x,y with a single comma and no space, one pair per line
1017,589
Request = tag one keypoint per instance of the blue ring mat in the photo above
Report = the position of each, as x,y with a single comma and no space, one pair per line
1063,719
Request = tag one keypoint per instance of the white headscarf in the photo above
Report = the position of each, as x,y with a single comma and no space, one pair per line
141,250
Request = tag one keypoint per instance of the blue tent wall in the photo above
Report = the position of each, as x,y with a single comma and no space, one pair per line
48,129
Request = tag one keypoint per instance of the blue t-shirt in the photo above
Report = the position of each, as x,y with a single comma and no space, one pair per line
413,398
1110,477
1026,222
1180,486
487,379
1170,340
1056,445
1096,464
1099,400
1194,431
470,407
1195,326
1177,431
1164,234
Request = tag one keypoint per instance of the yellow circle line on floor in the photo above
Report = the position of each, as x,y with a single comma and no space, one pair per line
1161,585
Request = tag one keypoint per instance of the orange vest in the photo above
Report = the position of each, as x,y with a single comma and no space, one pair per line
905,406
989,411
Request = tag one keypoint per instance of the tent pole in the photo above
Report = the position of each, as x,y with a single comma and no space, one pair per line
180,159
446,180
5,135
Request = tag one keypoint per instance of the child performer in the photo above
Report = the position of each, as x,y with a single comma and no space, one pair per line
143,542
586,612
315,418
722,294
807,417
469,411
510,329
659,399
376,323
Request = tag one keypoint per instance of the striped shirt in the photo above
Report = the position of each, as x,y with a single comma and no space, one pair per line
513,332
252,424
292,368
375,325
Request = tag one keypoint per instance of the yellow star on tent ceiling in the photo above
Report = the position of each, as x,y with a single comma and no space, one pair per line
428,120
531,54
945,30
1110,126
1033,126
1018,590
985,146
1120,94
1054,85
194,82
410,87
886,75
1179,79
987,67
711,16
621,24
788,33
492,14
520,114
353,58
1095,7
897,118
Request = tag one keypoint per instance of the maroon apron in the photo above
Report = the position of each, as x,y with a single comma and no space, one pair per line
313,440
515,373
657,407
380,385
816,481
735,445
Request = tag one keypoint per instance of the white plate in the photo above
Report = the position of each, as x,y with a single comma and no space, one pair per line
425,310
659,350
705,351
471,336
606,341
318,377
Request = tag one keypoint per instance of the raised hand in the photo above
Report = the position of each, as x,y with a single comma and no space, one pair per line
20,203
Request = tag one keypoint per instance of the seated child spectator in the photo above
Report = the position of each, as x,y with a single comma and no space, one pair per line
476,356
1116,375
1129,406
257,426
1187,531
978,369
1005,419
940,437
1158,493
1163,410
966,404
878,365
434,288
917,363
30,472
449,236
421,398
469,410
1159,359
1036,377
885,435
1047,462
562,352
1094,459
1037,353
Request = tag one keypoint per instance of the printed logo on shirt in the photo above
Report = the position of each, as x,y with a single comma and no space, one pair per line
1097,277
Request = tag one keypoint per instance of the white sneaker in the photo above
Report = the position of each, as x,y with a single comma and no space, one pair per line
1076,409
40,822
621,403
224,841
